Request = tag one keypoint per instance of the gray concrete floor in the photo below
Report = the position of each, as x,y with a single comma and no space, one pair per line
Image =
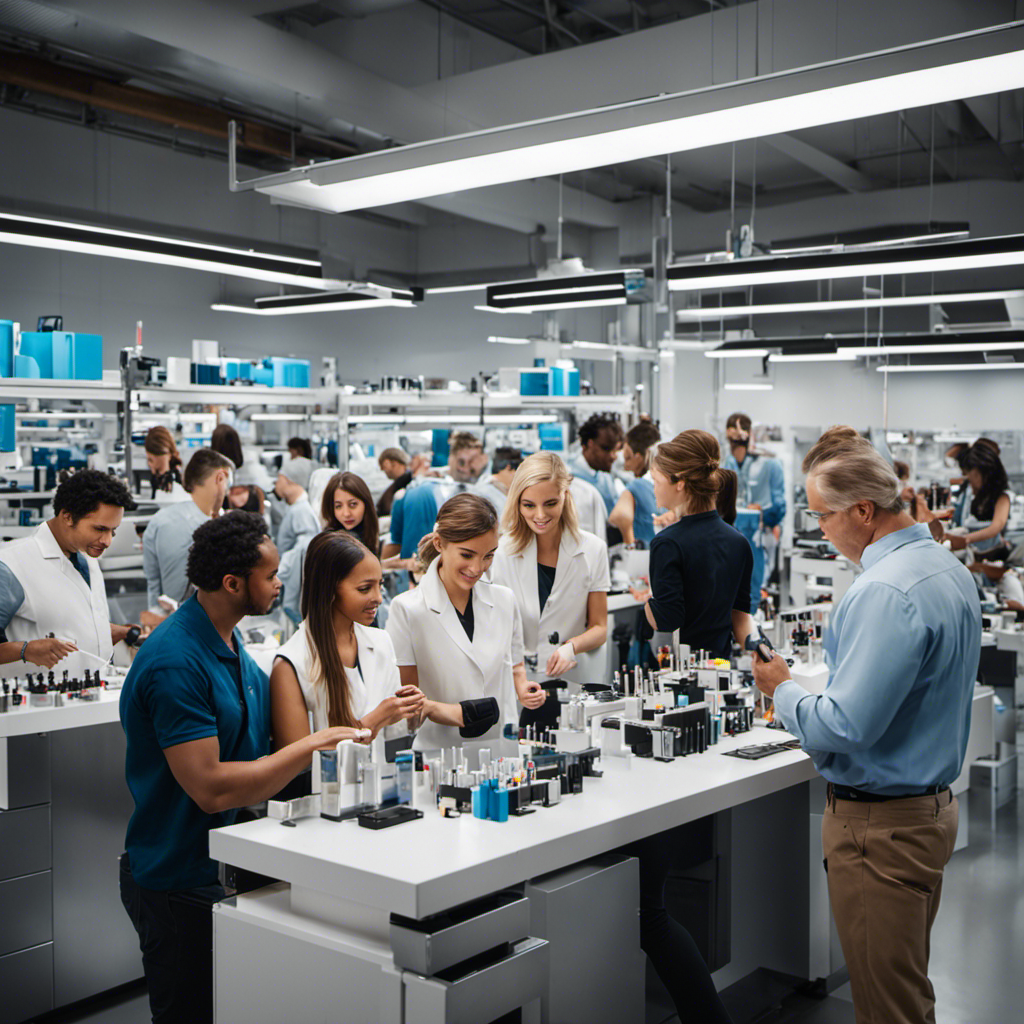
977,964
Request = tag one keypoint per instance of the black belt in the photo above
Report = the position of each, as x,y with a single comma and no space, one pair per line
864,797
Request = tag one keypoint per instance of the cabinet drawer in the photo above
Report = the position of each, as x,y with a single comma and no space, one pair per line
26,912
480,990
24,771
24,841
435,943
26,981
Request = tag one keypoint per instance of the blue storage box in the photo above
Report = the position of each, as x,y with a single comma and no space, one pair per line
38,346
551,439
7,428
263,375
205,373
534,382
564,381
62,355
87,359
6,348
288,373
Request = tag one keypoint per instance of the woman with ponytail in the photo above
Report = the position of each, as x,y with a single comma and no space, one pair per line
164,464
459,638
700,585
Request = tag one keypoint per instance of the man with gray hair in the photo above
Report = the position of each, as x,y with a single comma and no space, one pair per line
889,733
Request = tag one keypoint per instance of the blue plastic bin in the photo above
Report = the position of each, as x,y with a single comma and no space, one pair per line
7,428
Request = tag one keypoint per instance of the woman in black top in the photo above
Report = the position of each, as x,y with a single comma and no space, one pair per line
700,585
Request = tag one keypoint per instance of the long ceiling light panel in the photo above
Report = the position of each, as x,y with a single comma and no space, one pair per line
576,292
970,254
937,71
932,344
837,305
327,302
67,236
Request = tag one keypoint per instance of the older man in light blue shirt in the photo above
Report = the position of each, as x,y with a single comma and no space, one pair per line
890,731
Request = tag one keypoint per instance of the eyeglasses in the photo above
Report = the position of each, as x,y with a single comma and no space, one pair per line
820,517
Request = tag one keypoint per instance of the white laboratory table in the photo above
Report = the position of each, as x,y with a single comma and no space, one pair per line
64,809
326,927
459,860
26,720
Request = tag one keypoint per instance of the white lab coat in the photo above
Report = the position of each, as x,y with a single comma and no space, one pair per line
426,632
376,679
590,507
582,569
58,601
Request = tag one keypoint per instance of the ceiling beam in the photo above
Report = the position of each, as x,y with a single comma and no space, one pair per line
817,160
85,87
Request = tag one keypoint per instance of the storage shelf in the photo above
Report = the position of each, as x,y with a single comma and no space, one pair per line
226,394
25,388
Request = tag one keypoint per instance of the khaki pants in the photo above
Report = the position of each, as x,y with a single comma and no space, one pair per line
885,862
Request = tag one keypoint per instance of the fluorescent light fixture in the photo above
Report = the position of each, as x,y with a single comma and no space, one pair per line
842,356
749,387
493,309
357,296
495,339
933,344
938,236
948,367
574,292
277,417
999,251
451,289
738,350
836,305
937,71
67,236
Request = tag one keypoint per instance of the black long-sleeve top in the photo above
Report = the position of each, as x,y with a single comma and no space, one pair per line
700,572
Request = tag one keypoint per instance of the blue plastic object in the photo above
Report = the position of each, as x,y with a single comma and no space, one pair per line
87,359
25,366
62,355
551,439
6,348
38,346
564,381
534,382
288,373
7,428
207,373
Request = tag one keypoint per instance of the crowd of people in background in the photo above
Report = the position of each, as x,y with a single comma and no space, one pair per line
498,584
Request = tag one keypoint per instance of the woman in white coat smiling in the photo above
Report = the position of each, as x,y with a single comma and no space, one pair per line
459,638
558,572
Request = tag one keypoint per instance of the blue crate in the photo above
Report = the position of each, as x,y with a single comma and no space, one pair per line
7,428
37,346
6,348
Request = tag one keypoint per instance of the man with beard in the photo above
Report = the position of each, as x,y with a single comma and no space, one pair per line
195,711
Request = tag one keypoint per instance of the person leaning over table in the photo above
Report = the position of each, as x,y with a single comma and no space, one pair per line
196,714
458,637
700,585
53,603
889,733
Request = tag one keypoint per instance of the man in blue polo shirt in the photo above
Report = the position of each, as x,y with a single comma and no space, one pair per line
196,713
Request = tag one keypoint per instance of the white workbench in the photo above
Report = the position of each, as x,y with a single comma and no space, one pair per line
25,720
431,865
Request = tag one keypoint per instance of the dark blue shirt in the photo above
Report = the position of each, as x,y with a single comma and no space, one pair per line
700,572
185,684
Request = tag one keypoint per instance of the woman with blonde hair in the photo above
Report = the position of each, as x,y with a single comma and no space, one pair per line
558,573
457,637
